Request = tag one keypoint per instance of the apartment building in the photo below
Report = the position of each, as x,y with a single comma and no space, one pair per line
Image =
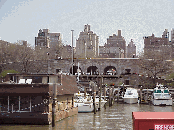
87,44
117,41
131,50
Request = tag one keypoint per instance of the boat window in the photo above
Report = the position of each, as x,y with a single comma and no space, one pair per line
157,91
130,93
166,91
166,94
157,94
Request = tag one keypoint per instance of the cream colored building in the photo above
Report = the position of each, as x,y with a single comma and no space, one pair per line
131,50
111,52
87,44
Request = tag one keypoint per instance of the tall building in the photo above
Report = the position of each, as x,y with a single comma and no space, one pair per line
110,52
87,44
172,41
66,52
47,39
117,41
131,50
160,44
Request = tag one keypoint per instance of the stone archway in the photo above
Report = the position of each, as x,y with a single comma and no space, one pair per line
75,70
110,70
93,70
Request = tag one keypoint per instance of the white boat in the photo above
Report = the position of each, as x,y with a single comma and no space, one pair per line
85,104
161,96
130,96
103,102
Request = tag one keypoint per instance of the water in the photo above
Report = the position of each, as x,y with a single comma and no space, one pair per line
117,117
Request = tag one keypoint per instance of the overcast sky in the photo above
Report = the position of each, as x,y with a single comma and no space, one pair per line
22,19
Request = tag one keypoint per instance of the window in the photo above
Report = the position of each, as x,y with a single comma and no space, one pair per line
127,82
58,70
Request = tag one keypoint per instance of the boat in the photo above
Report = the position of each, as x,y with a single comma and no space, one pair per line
85,104
130,96
161,96
103,101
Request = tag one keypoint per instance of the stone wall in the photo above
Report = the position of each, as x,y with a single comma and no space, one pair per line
119,63
66,64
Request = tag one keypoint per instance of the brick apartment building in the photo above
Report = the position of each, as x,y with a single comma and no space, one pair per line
47,39
160,44
117,41
110,52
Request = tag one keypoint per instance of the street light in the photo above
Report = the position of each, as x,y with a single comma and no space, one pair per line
48,53
48,62
72,51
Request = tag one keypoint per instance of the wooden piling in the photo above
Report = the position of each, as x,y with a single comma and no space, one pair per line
53,104
118,94
109,96
94,93
112,96
100,85
72,101
123,89
104,92
53,113
85,92
141,94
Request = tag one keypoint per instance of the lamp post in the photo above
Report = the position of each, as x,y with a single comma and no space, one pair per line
48,62
48,53
72,52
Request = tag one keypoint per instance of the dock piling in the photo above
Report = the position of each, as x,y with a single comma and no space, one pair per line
94,93
53,104
118,94
100,85
141,94
109,96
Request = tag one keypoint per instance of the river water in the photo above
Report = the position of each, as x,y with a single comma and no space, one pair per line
117,117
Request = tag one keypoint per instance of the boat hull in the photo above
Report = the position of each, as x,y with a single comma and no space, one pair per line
82,107
130,100
158,102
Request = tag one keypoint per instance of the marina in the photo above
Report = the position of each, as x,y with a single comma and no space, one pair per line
92,78
117,117
98,106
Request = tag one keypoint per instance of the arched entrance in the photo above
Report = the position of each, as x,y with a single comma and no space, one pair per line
92,70
110,70
76,70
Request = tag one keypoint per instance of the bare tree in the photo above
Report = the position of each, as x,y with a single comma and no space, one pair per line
41,56
26,57
154,64
8,53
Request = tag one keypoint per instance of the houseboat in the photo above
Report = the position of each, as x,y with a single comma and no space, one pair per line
28,98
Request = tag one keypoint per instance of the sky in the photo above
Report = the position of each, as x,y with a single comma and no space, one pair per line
22,19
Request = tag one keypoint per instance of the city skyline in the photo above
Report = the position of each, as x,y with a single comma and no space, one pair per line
136,19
